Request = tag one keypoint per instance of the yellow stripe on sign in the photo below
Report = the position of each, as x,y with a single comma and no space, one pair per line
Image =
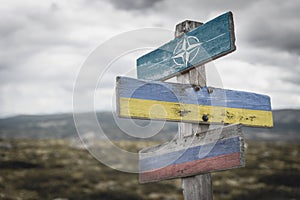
174,111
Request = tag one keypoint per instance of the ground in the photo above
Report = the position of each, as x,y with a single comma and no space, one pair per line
54,169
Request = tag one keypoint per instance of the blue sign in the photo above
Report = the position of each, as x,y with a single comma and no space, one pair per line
201,45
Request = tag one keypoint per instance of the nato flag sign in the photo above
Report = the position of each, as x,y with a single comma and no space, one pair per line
201,45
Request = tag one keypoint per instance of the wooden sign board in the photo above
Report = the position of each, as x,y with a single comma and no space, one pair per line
201,45
220,149
186,103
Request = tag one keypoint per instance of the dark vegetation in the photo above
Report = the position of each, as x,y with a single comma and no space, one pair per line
54,169
40,159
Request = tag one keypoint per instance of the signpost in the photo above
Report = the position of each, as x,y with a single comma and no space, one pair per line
197,150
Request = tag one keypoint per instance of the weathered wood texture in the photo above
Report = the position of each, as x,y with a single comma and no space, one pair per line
196,47
197,187
191,103
216,150
185,26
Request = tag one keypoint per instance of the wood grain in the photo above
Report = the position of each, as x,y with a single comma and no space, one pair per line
197,187
191,103
217,150
194,48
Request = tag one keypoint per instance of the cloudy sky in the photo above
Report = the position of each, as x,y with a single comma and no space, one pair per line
45,44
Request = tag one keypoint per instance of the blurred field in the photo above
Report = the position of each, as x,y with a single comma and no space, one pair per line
53,169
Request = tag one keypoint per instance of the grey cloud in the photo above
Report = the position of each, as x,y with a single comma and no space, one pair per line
30,32
41,45
293,79
134,4
266,58
222,5
33,45
7,29
54,7
280,37
274,25
175,11
36,27
261,23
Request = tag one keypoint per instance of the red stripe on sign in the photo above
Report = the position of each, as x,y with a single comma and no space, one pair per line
217,163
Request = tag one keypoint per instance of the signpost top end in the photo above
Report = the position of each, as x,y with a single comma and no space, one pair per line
186,26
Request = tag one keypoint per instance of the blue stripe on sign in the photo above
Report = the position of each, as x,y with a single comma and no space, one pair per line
227,146
171,92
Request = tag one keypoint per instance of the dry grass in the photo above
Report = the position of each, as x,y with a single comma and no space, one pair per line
52,169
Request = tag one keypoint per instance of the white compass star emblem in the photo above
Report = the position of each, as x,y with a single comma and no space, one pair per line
186,50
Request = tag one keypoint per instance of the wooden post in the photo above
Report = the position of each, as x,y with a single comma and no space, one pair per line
197,187
161,162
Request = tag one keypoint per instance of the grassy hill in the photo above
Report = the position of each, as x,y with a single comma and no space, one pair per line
286,127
